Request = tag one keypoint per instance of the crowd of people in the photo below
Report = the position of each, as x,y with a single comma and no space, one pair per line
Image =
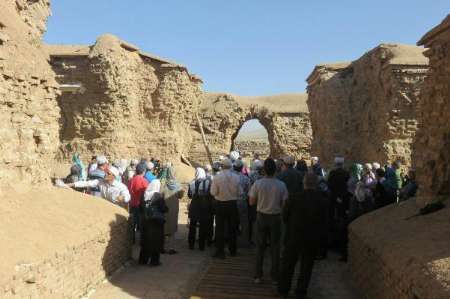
298,212
146,188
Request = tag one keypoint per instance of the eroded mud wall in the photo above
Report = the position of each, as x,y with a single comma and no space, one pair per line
28,110
366,110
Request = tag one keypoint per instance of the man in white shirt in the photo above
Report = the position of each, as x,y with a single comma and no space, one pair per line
226,189
110,189
269,195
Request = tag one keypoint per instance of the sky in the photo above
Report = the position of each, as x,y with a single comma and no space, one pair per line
248,47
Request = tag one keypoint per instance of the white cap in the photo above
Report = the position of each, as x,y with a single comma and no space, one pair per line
114,171
101,160
376,165
339,160
315,159
289,160
234,155
150,165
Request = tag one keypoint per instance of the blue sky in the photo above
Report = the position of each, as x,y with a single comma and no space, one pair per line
248,47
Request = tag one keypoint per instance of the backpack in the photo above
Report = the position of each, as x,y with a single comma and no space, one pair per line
152,210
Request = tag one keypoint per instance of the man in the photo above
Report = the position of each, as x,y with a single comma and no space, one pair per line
137,186
305,219
268,194
316,168
242,203
200,209
98,174
339,203
149,176
292,178
226,189
110,189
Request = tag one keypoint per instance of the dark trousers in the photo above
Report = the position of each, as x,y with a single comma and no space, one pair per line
203,224
152,240
226,219
292,254
268,227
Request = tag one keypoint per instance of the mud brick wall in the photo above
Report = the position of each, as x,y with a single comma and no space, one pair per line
285,119
432,147
28,109
123,102
249,148
366,110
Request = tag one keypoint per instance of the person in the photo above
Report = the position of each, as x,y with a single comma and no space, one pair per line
242,204
339,204
305,217
234,155
410,187
200,209
92,165
302,167
137,186
292,178
149,176
109,188
130,171
382,192
76,160
98,174
316,168
268,194
255,174
226,190
172,195
394,179
152,233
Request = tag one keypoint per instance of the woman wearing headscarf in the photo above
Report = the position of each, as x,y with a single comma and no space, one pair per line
172,194
153,219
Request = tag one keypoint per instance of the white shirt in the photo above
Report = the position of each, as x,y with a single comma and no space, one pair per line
226,186
107,191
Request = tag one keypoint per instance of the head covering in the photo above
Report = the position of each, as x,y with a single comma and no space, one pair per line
208,168
134,162
356,171
368,166
234,155
101,160
257,165
376,165
152,188
227,164
114,171
289,160
150,165
339,160
200,173
315,159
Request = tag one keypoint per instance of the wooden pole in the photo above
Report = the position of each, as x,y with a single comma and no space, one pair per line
205,143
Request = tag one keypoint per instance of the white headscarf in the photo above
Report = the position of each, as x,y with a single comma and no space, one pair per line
234,155
152,188
200,173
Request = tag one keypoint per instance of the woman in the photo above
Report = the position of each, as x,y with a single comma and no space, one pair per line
152,217
172,194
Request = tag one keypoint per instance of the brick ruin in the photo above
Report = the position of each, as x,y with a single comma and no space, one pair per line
285,117
366,110
432,147
249,148
111,89
47,252
409,257
28,110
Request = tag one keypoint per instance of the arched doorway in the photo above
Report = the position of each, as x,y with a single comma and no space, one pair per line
251,139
